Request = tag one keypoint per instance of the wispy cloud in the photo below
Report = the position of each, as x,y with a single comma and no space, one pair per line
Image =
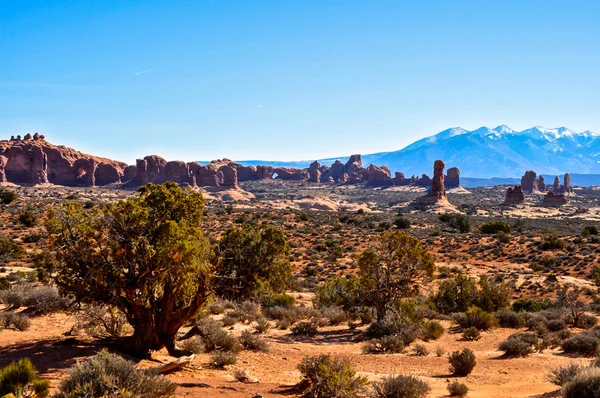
144,71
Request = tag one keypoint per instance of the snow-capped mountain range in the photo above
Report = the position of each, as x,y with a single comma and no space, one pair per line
490,152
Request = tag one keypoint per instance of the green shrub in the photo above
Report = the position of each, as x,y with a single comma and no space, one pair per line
385,344
105,373
305,329
494,227
458,221
553,242
585,385
432,330
20,379
510,319
7,196
400,386
10,249
518,345
338,291
581,344
331,377
4,283
478,318
528,305
253,342
590,230
586,321
457,389
262,325
462,362
402,222
220,359
420,350
564,374
334,315
28,219
194,345
471,334
554,325
279,300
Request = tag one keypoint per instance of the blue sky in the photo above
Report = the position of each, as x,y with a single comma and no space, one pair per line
289,80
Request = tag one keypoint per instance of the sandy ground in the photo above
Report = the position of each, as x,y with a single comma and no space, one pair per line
53,353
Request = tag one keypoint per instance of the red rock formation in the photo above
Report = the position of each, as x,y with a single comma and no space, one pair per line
529,182
453,178
107,174
265,172
541,184
377,176
552,199
176,171
353,165
424,181
129,173
289,173
514,196
246,173
567,185
556,185
3,160
437,185
230,177
400,179
314,172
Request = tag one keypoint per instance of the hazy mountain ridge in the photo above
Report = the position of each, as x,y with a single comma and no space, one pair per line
487,153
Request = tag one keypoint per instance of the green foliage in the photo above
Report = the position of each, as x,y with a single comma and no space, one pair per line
253,342
279,300
595,275
432,330
471,334
553,242
519,345
331,377
20,378
7,196
458,221
460,293
510,319
494,227
252,258
4,283
477,318
585,385
28,218
462,362
401,222
400,386
393,267
529,305
385,344
305,329
220,359
10,249
105,373
582,344
457,389
590,230
338,291
146,255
